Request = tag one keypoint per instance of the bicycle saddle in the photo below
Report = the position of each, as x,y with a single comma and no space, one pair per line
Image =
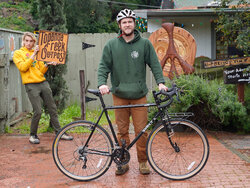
94,91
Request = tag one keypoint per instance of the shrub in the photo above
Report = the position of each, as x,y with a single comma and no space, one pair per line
214,106
207,73
16,16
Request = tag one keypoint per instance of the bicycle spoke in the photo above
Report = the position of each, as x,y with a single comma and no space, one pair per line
185,163
77,161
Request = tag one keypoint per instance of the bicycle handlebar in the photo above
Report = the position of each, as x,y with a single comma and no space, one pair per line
168,96
158,99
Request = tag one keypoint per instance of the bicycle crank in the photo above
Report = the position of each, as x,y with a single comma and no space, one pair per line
121,156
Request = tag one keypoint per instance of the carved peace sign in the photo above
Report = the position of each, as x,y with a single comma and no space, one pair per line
175,48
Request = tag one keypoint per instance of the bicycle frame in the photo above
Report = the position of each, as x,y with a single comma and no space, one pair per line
94,148
105,110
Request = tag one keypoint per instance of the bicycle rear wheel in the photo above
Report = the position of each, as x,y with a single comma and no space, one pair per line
189,156
79,162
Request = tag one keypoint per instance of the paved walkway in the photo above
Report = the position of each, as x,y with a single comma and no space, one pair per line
25,165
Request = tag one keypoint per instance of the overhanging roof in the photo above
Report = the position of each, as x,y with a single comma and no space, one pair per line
185,3
145,13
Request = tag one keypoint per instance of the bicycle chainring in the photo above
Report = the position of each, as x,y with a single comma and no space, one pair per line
120,159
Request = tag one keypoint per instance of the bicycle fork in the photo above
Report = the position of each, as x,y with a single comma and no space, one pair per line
170,132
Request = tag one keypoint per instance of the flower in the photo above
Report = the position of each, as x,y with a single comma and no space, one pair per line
28,55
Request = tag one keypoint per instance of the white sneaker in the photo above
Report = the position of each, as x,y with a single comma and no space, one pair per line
65,136
34,139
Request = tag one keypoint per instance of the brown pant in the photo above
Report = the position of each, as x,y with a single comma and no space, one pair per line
139,117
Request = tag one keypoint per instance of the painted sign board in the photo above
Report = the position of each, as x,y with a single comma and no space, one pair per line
225,63
52,46
237,74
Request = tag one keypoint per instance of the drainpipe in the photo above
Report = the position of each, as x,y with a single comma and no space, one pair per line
6,89
5,102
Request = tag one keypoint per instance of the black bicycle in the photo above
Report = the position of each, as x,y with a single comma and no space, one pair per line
176,147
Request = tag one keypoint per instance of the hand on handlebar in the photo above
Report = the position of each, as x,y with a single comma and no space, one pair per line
162,87
104,89
166,95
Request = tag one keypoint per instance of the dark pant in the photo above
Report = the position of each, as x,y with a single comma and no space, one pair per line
36,92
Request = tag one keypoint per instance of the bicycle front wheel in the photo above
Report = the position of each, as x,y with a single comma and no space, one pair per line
179,154
80,162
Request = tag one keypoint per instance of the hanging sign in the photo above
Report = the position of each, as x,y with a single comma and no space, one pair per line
52,46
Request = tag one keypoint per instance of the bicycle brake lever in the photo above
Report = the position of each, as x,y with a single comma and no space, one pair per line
177,96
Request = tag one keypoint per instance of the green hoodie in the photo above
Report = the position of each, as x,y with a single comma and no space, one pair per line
126,62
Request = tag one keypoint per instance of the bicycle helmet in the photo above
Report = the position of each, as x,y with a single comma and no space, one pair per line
126,13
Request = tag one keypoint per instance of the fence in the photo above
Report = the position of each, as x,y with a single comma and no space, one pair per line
13,98
84,53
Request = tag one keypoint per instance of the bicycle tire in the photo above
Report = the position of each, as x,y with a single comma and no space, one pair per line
174,165
67,157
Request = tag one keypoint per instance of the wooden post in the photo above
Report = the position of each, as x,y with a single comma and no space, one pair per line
82,91
240,90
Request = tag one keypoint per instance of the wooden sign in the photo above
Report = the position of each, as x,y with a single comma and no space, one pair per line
175,48
225,63
53,46
237,74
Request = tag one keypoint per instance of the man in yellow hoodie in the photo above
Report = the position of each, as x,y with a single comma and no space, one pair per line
37,88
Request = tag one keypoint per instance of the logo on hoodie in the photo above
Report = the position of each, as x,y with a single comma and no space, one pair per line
134,54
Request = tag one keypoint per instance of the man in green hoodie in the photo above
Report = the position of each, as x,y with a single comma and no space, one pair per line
125,58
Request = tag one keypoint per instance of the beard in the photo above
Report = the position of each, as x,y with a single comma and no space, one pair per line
129,34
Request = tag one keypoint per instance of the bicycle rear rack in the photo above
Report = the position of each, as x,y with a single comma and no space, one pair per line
183,115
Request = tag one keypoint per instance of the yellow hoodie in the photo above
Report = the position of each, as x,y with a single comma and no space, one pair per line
32,71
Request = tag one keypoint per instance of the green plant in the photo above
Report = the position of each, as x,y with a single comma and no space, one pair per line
8,129
211,73
52,18
235,27
24,128
16,16
68,115
214,106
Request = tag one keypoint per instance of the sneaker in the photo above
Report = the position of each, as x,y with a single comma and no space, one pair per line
144,169
65,136
122,170
34,139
